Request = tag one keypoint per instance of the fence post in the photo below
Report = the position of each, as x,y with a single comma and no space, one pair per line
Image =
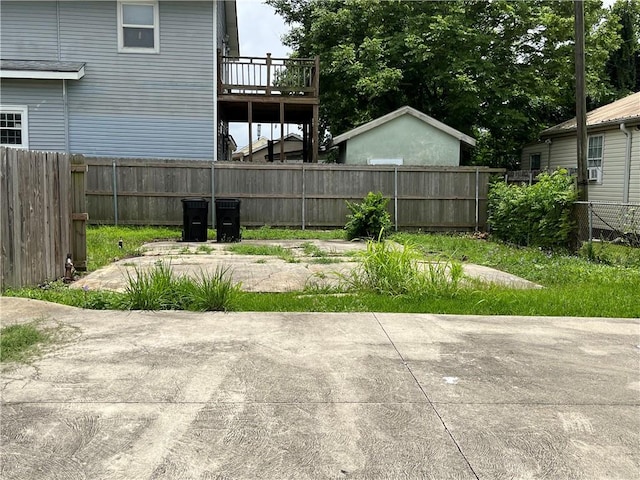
477,198
590,206
303,197
395,195
79,215
115,194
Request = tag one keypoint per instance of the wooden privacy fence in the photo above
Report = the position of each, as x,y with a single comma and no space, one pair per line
148,192
42,215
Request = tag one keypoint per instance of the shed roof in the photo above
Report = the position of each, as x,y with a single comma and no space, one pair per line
406,110
626,109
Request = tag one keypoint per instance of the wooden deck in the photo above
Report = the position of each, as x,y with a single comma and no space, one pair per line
271,90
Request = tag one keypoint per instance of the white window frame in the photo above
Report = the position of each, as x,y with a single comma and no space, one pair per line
156,27
24,112
599,159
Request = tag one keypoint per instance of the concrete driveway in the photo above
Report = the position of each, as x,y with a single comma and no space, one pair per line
180,395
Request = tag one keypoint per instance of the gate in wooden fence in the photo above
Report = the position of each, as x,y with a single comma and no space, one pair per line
148,192
43,215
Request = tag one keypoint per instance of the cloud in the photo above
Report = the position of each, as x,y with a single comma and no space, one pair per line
260,30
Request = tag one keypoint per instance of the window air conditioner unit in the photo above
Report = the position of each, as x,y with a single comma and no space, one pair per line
594,174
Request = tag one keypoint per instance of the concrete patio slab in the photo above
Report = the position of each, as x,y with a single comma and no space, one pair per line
165,395
261,273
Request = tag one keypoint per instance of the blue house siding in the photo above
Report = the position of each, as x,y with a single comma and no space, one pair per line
131,104
28,31
46,110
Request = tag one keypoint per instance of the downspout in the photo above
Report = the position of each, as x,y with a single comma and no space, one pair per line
548,141
65,113
627,164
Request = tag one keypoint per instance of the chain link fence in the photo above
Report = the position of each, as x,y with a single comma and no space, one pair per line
608,221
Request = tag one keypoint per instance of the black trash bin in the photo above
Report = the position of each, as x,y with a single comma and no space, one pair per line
195,219
227,220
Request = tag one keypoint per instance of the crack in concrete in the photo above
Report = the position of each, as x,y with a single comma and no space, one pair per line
424,393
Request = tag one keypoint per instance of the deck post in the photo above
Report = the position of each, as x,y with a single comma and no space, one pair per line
268,74
282,131
314,135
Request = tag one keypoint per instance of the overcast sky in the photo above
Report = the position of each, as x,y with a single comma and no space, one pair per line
260,30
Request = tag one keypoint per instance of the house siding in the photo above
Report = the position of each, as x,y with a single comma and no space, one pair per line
46,110
130,105
564,153
28,31
406,137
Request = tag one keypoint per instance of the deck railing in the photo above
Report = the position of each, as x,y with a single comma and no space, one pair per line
268,76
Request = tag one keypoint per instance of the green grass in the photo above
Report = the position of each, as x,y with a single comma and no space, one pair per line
18,343
603,282
103,248
263,250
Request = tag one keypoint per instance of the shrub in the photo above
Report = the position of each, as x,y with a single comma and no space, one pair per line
537,215
368,219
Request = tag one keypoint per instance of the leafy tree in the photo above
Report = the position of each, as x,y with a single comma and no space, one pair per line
502,68
623,65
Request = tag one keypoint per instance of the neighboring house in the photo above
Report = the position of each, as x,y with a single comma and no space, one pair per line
126,78
403,137
613,150
292,150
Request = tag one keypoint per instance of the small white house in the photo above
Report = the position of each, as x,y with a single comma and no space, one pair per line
403,137
613,153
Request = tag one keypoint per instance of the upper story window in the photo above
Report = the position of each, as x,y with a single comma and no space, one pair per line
138,27
13,127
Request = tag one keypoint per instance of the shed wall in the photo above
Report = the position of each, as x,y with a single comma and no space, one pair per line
406,137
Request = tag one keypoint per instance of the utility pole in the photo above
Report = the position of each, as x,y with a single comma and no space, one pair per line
581,102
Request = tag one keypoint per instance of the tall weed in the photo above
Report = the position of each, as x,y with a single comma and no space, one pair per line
213,293
160,289
390,269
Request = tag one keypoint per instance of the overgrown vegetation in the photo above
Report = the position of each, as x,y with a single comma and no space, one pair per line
20,342
368,219
161,289
534,215
603,283
390,269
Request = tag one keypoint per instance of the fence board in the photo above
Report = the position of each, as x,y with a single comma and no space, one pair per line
288,195
36,230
